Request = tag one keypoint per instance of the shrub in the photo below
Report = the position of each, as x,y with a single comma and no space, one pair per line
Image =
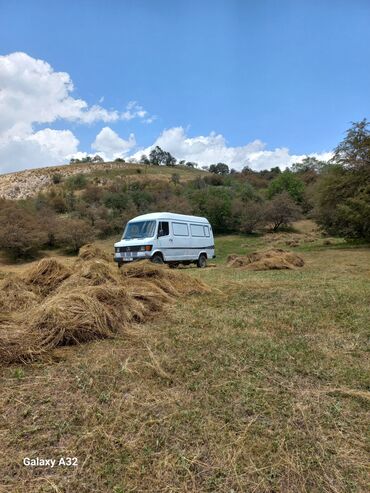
76,182
56,178
281,211
116,200
249,216
175,178
92,194
21,234
73,233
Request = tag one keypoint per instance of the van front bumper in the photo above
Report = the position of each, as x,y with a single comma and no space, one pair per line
130,256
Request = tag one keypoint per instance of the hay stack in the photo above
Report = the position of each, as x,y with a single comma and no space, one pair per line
92,252
274,258
96,272
172,282
62,320
95,301
46,275
15,295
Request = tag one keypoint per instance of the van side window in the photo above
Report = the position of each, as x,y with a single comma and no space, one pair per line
206,231
196,230
180,229
163,228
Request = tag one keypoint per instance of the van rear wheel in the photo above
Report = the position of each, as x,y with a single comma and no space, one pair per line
157,258
202,261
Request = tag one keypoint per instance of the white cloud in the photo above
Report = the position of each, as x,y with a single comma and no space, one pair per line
43,148
109,145
32,92
213,148
134,110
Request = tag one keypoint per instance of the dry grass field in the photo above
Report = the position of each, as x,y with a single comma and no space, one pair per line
260,386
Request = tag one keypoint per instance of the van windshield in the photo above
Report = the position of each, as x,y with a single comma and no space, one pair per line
139,229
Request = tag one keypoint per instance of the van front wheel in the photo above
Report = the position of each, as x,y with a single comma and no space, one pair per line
202,261
157,258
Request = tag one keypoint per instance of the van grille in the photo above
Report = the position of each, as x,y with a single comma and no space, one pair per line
128,249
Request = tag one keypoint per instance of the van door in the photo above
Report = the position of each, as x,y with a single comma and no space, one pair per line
181,240
165,240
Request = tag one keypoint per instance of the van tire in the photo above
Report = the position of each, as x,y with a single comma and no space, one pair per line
157,259
202,261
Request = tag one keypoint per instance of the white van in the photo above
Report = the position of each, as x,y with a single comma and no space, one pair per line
166,237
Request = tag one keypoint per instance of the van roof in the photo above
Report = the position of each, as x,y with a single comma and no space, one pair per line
169,215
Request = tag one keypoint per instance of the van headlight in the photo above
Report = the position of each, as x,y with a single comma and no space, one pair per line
146,248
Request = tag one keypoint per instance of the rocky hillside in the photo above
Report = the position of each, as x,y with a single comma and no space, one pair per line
23,184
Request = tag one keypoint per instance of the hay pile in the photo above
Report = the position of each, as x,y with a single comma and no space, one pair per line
292,239
16,295
274,258
172,282
92,252
91,300
46,275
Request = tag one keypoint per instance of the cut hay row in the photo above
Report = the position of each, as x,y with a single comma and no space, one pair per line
272,259
16,295
91,251
91,300
47,275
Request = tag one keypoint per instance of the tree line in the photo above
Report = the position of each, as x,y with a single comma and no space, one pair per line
82,207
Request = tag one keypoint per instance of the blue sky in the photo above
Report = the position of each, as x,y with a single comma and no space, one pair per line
274,80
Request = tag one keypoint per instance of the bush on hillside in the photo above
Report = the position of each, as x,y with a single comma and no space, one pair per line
76,182
73,233
249,216
21,231
56,178
281,211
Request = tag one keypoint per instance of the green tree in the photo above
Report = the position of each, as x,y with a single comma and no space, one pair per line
309,164
168,159
156,156
215,204
287,182
144,159
342,193
219,169
354,150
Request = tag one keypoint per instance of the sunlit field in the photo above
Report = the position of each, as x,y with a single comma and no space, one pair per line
259,386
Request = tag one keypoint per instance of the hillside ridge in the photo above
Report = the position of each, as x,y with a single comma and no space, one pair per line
27,183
